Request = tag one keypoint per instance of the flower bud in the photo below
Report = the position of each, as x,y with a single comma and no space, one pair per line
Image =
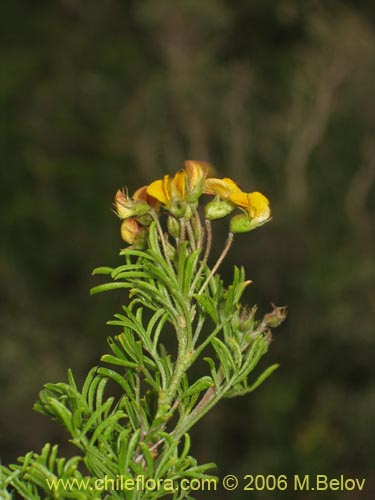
217,209
196,172
246,319
130,229
241,224
173,226
126,207
276,317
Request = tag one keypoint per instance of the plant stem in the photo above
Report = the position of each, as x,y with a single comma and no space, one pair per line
161,236
182,231
191,235
198,223
227,246
205,257
182,364
210,398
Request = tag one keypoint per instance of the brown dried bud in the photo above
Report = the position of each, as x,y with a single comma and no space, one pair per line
276,317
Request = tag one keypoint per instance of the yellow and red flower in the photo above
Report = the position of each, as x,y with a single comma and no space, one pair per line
133,232
220,206
255,204
127,207
181,190
142,195
179,195
228,196
257,211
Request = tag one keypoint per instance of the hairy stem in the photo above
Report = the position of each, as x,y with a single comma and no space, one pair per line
200,229
227,246
183,362
210,398
182,231
191,235
205,257
162,238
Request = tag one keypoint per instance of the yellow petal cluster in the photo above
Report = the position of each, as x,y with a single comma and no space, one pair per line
179,196
184,188
229,196
255,204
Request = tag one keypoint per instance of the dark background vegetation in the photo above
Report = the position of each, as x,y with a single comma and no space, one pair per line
277,95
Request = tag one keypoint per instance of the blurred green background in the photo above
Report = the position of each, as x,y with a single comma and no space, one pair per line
277,95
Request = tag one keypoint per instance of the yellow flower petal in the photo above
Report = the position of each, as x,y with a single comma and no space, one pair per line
221,187
167,188
142,195
196,171
256,204
159,190
178,186
260,205
240,199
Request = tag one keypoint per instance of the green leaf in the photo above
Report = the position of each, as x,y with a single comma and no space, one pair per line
108,286
239,290
133,443
88,381
117,378
212,366
264,376
153,239
168,457
200,385
225,357
148,459
102,270
209,306
125,267
108,358
252,357
236,350
62,413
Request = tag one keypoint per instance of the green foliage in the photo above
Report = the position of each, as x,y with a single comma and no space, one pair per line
131,419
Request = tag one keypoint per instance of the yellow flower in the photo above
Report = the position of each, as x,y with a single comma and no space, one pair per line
228,195
130,229
256,204
168,190
134,233
185,187
129,207
257,210
142,195
221,187
196,173
220,206
123,204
